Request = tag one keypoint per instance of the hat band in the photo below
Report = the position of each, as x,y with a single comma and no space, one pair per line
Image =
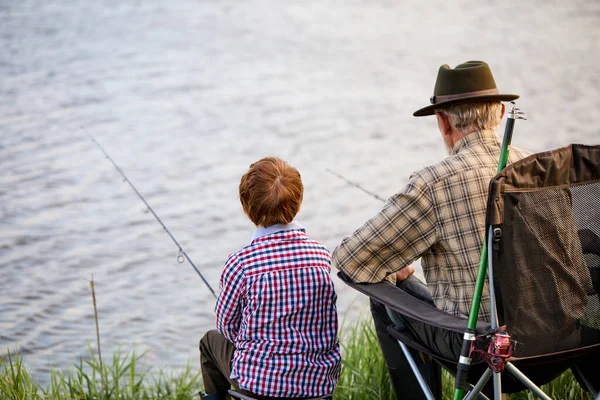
439,99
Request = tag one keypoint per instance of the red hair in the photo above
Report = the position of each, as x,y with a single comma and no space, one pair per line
271,192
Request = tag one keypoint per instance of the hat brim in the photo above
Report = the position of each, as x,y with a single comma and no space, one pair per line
430,110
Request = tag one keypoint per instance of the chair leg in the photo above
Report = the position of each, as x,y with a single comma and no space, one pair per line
476,391
497,377
530,385
415,369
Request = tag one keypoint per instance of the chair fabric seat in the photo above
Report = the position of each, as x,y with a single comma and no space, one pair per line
410,306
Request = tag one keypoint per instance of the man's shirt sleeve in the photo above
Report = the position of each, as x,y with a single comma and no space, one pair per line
228,307
392,239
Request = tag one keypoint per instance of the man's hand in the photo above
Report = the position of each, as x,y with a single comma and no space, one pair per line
404,273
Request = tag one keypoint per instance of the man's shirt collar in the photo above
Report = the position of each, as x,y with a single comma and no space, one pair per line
483,136
269,230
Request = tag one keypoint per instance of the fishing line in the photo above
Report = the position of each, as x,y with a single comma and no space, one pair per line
356,185
182,255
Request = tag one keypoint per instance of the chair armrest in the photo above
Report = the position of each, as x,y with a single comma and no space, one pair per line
410,306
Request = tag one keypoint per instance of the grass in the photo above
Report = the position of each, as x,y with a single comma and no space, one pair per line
364,374
15,381
364,377
121,379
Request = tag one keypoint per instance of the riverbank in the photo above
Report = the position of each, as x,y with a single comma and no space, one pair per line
125,377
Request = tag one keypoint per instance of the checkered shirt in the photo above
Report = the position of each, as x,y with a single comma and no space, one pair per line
277,305
440,217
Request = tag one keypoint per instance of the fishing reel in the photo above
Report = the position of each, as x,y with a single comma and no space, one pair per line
499,348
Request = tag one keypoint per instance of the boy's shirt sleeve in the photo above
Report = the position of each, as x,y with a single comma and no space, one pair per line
228,307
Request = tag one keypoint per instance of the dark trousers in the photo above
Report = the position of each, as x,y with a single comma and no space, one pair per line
447,343
216,353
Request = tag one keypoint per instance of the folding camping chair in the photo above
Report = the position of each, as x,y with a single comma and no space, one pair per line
542,252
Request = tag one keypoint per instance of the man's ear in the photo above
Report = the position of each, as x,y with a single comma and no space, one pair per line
444,124
502,112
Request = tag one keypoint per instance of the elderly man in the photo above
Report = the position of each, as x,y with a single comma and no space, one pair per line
438,217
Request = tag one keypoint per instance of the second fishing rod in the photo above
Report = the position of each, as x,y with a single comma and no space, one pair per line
182,255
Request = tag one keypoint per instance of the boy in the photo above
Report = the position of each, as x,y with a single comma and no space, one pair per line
276,314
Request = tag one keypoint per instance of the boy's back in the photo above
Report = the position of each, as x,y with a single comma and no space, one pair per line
286,332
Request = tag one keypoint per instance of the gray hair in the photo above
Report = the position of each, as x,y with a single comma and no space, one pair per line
474,116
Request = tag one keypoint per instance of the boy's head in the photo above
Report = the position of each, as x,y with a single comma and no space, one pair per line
271,192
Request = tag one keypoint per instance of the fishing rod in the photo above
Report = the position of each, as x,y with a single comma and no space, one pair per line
464,362
182,255
356,185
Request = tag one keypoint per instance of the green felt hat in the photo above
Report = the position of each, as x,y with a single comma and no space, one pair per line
467,83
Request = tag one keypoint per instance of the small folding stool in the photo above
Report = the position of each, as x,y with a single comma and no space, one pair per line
237,395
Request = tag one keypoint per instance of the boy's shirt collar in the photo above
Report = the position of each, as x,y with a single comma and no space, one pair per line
269,230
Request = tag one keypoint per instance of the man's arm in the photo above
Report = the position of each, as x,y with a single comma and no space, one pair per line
228,308
392,239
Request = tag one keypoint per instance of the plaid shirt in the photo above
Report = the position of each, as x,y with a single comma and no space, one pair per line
277,306
440,217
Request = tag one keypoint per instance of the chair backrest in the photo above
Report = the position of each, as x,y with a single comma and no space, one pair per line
545,211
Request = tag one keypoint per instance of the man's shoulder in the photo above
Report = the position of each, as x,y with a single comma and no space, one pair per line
444,169
464,162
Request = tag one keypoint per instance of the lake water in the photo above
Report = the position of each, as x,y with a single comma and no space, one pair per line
184,95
